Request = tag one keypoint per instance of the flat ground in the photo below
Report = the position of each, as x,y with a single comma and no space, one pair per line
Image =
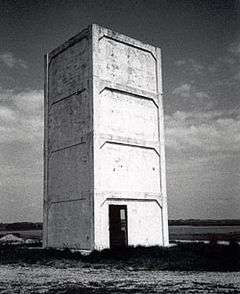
62,278
185,268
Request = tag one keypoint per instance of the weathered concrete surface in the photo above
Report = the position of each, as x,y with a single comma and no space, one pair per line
68,203
104,141
128,154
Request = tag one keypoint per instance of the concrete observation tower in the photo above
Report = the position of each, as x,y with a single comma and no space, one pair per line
104,151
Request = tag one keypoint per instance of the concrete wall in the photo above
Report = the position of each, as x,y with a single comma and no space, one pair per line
128,156
68,203
104,141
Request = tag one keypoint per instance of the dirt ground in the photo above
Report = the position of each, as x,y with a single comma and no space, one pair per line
62,278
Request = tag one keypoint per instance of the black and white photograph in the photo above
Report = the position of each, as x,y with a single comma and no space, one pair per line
119,146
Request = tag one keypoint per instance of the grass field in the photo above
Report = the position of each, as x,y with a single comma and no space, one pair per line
185,268
183,256
84,279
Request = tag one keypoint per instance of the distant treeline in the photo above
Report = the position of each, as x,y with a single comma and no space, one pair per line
204,222
21,226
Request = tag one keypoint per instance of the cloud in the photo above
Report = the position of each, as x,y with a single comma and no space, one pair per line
182,91
12,61
237,76
227,64
226,68
190,65
203,169
201,95
188,91
21,116
8,59
206,86
180,62
6,114
29,102
21,145
203,132
234,48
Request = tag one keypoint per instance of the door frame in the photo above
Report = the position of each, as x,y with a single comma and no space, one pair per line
119,206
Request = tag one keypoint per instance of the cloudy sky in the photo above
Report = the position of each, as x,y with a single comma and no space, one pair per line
200,41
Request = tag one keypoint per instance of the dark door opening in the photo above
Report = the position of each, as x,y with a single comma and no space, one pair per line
118,226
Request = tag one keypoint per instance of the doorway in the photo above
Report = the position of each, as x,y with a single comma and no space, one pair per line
118,226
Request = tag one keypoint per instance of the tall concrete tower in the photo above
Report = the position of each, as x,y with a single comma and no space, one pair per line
105,182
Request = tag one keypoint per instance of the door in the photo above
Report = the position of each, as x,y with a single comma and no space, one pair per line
118,226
